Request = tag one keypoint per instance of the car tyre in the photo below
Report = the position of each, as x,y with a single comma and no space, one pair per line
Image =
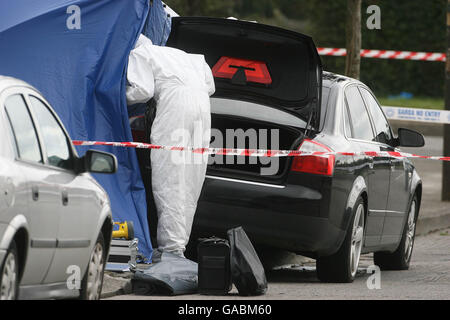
9,274
92,283
401,258
342,266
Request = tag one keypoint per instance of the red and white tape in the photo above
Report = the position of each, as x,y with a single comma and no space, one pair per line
256,152
387,54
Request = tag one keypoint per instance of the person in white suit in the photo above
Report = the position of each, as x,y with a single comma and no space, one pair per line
181,84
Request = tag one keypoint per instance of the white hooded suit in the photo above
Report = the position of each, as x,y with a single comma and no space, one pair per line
181,83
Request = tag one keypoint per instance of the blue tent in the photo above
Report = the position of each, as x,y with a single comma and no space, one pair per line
76,52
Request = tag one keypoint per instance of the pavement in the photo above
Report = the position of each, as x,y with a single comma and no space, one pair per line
428,277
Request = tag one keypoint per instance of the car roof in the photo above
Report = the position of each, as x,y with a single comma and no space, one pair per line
330,79
7,82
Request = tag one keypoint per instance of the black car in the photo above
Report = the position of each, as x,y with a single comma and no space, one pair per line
331,208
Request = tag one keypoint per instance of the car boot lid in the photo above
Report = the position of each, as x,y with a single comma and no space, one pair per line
256,62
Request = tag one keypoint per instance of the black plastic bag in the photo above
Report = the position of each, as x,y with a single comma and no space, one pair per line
246,269
169,275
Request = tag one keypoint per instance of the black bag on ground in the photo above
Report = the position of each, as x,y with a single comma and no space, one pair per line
214,275
168,275
246,269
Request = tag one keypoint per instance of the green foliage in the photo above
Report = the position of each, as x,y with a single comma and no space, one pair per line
411,25
212,8
254,8
416,102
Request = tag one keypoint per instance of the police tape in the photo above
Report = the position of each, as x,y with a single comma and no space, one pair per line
387,54
256,152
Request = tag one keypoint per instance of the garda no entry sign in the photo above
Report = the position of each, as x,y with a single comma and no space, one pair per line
412,114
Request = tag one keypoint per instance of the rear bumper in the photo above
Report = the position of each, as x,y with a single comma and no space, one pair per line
287,217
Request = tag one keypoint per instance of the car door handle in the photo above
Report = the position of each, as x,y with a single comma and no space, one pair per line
35,193
65,197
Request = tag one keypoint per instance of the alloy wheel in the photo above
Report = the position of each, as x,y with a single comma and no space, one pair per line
95,273
9,278
410,231
357,239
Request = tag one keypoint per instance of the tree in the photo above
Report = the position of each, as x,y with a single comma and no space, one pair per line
353,39
446,165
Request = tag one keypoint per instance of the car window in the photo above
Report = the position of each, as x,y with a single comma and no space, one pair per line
324,106
382,128
55,140
23,129
362,128
347,124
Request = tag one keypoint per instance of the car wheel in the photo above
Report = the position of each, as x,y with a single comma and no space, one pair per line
343,265
400,258
91,285
9,275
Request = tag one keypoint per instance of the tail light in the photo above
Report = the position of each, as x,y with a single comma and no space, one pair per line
315,164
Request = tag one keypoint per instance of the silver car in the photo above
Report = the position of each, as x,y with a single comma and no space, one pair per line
55,219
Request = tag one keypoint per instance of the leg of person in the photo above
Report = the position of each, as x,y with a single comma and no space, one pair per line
178,177
195,174
168,172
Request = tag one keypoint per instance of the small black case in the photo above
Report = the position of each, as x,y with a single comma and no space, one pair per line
214,274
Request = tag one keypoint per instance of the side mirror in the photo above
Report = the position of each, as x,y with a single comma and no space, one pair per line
98,162
409,138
